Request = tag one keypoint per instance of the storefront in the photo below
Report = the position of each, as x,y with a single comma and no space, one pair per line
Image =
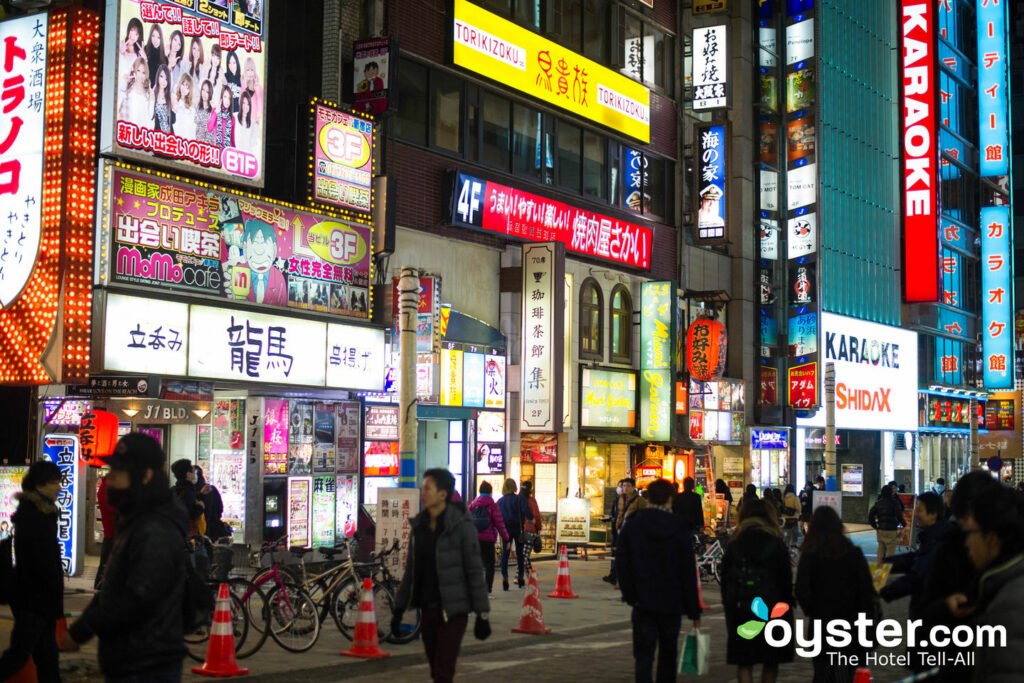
943,446
770,458
717,422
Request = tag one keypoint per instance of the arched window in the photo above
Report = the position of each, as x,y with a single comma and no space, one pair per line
622,325
591,320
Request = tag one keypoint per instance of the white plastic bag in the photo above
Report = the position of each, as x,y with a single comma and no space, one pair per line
694,659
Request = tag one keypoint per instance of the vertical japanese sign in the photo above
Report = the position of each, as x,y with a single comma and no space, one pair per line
710,62
22,121
343,161
657,355
712,184
299,512
541,355
920,92
997,298
190,86
451,377
62,450
395,507
275,436
993,130
494,382
323,513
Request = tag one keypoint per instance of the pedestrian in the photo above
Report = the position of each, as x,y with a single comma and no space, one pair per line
749,493
722,489
755,569
533,525
806,505
885,518
108,520
489,525
790,516
213,506
185,490
613,519
690,506
994,529
833,582
947,503
629,502
658,578
137,613
443,576
819,483
896,496
940,486
514,516
37,596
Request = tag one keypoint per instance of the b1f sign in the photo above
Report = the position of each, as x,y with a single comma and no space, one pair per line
997,298
62,450
920,226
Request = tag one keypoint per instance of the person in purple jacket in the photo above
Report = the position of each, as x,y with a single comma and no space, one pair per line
489,525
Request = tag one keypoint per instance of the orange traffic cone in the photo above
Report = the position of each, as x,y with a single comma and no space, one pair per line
531,619
220,650
563,584
862,675
365,644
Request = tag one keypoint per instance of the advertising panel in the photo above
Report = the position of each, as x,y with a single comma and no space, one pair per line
381,423
323,515
372,73
10,486
451,377
299,512
227,473
712,183
473,379
146,335
175,236
395,507
490,427
607,399
347,418
657,355
62,450
345,505
275,436
997,298
572,523
486,205
494,382
993,131
380,459
189,86
543,274
355,357
498,49
710,67
343,159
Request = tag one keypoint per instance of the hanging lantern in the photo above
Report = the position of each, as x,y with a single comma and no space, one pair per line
706,343
97,436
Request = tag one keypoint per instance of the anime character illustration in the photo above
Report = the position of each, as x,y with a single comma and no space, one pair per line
252,269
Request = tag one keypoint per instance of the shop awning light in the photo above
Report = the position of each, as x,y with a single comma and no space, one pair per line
201,413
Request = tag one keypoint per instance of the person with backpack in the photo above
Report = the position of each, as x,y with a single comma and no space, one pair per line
756,577
514,515
37,590
213,507
489,525
138,613
886,517
533,525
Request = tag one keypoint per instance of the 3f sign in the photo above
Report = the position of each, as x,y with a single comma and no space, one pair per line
469,200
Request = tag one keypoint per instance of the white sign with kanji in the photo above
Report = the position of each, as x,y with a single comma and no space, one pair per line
710,60
355,357
145,335
538,337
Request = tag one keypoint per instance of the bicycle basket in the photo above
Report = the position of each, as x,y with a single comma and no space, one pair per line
222,563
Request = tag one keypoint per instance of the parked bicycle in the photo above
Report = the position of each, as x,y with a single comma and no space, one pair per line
710,551
213,562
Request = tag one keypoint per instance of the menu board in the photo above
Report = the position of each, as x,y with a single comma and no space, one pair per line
381,423
299,511
346,422
573,521
395,507
323,511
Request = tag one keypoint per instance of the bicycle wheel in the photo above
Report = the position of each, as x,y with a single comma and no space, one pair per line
292,618
716,570
345,608
196,641
254,602
410,628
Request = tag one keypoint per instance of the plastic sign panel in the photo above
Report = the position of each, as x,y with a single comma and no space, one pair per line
920,226
62,450
486,44
712,183
607,399
145,335
189,86
473,379
26,43
541,392
657,356
993,131
177,236
451,377
372,74
710,67
494,381
572,523
355,357
381,423
769,438
299,511
486,205
343,149
997,298
876,375
380,458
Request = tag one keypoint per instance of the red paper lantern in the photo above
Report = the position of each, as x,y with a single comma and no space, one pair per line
706,343
97,436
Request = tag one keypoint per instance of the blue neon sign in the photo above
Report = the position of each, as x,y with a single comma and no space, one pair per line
993,131
997,298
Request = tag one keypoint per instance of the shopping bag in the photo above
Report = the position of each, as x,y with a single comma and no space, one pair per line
696,653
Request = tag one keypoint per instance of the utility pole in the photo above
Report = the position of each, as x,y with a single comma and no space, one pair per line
408,307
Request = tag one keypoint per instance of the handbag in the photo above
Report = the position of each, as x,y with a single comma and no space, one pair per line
536,543
694,659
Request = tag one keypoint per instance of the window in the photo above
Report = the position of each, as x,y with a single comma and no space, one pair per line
591,305
565,22
595,180
494,150
647,53
527,147
622,325
569,156
411,121
595,30
445,106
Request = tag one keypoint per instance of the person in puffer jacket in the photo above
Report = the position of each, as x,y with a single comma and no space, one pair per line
489,536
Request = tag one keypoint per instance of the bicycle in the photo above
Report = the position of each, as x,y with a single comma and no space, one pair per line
200,549
709,558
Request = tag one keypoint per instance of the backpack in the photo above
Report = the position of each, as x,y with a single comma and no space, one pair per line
481,518
749,579
197,601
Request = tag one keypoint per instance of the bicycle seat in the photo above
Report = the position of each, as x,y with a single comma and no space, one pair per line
300,552
329,552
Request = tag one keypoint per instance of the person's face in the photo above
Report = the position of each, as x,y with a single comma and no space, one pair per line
924,518
184,89
161,80
250,74
141,73
133,35
206,94
233,63
430,495
155,38
225,99
244,106
50,490
196,49
175,44
627,488
982,547
215,59
371,72
119,479
260,252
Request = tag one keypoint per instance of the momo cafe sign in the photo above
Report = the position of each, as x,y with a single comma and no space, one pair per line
486,44
876,375
187,340
176,236
607,399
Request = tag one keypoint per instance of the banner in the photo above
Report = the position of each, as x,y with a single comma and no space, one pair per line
342,157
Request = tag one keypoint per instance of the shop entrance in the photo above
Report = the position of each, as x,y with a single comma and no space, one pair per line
442,443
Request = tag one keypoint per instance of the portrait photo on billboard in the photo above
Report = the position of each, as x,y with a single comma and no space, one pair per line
189,86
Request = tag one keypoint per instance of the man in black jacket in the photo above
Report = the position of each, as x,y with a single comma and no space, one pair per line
137,613
657,575
886,518
689,506
916,565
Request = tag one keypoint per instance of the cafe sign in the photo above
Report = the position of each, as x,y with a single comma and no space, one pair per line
607,399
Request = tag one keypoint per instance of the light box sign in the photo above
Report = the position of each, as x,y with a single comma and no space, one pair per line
710,67
997,340
490,427
275,436
146,335
451,377
607,399
181,237
657,353
920,228
299,511
62,450
486,205
473,379
381,423
486,44
380,459
189,88
494,382
541,393
355,357
343,149
769,438
712,184
993,130
372,73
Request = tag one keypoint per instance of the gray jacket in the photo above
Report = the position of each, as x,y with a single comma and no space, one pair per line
1001,595
460,571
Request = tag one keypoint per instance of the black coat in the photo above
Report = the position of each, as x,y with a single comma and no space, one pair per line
39,573
186,492
951,572
836,587
655,564
213,510
689,506
915,567
137,613
886,514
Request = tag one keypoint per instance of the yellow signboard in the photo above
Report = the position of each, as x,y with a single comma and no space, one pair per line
502,51
451,377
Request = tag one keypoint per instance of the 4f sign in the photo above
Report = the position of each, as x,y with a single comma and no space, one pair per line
921,247
469,201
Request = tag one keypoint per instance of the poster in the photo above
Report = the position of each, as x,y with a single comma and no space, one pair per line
852,480
490,458
381,423
301,422
275,436
346,420
490,427
494,382
371,72
573,521
227,424
172,235
10,484
190,86
323,511
538,448
299,511
345,506
227,473
832,499
342,159
300,458
380,459
395,507
473,379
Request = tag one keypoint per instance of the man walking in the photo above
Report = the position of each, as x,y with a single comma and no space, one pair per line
690,506
885,518
657,575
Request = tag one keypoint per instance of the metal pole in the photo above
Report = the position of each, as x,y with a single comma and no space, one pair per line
830,426
408,307
975,453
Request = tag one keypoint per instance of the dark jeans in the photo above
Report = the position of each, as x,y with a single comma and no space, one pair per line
650,630
36,636
442,640
487,555
168,673
506,548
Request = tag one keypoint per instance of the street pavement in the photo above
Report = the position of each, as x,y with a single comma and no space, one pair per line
590,640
